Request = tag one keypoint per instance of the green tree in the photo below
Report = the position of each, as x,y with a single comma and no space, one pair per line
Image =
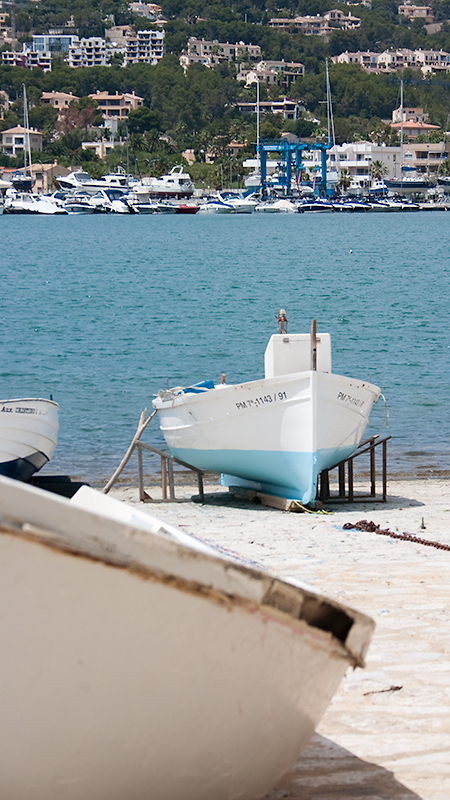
378,170
344,180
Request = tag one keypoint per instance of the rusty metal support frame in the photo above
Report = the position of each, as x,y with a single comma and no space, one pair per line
348,496
167,473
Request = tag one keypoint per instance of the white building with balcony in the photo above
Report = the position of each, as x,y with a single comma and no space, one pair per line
356,158
91,52
117,106
28,59
211,52
392,60
146,47
14,140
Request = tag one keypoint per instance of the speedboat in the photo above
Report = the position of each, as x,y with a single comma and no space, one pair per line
274,435
281,206
241,203
153,207
317,206
138,662
25,203
22,181
110,201
79,203
28,436
215,206
19,202
346,205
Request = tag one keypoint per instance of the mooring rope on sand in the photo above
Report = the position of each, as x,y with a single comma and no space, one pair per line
372,527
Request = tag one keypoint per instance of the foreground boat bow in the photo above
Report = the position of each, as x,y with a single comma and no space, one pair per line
137,662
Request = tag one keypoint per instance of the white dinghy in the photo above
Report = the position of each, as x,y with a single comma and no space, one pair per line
139,663
28,435
277,434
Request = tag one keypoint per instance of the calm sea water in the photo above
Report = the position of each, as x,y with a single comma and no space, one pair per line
102,311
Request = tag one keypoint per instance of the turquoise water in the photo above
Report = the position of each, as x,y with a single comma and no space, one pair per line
102,311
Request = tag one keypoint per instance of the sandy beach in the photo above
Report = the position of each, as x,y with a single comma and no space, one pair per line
386,733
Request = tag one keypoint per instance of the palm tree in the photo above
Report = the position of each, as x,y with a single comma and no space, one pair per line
444,168
378,170
344,180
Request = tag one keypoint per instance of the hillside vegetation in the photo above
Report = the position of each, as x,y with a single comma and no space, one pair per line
196,109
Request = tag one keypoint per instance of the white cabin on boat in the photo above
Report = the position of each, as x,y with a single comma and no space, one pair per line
287,354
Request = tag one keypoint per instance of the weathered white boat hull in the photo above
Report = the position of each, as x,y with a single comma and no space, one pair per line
279,433
28,435
134,666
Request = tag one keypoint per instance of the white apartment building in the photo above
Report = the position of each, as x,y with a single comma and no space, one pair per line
117,106
27,59
14,140
91,52
357,158
392,60
215,52
310,26
317,25
145,47
273,73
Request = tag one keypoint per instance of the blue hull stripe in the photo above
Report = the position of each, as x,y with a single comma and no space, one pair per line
285,474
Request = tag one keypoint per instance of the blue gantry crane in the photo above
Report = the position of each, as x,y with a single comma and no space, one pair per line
287,150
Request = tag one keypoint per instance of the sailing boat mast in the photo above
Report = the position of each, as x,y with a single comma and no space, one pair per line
401,134
257,121
330,120
27,144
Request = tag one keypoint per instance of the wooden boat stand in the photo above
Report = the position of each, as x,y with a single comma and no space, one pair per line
167,474
346,494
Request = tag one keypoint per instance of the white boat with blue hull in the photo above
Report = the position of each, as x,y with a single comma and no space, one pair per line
275,434
28,436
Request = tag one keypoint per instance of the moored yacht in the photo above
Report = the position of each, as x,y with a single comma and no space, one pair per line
79,179
176,183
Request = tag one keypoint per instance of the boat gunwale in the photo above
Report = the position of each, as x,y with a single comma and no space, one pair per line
29,400
321,637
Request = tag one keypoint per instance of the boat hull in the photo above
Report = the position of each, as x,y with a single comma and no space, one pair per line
135,666
28,436
278,433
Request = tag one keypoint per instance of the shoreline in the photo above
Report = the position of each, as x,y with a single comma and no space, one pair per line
386,732
184,477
